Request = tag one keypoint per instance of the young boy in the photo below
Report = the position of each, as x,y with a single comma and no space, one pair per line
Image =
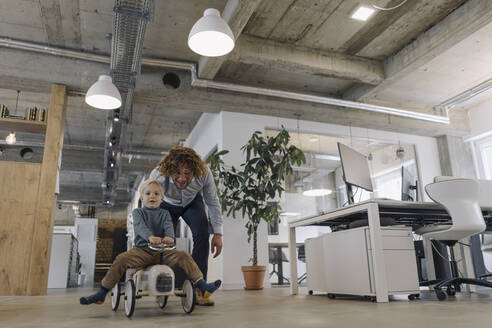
152,226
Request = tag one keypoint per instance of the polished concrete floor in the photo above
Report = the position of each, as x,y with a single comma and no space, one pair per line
268,308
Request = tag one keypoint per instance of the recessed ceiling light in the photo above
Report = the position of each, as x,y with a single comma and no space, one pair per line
362,13
313,138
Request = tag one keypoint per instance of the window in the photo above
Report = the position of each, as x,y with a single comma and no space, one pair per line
483,157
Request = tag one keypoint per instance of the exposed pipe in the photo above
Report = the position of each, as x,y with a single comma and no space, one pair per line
197,82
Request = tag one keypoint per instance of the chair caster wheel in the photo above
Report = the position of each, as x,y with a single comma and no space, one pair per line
440,295
451,290
331,296
310,292
412,297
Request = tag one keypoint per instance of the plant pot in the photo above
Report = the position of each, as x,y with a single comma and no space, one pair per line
253,276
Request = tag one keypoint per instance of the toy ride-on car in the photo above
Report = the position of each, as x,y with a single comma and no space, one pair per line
156,280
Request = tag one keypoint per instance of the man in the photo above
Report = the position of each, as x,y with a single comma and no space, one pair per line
183,176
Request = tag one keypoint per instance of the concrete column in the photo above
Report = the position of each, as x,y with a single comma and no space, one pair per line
455,157
456,160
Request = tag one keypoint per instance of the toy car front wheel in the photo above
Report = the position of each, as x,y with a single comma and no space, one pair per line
162,301
115,297
130,296
189,299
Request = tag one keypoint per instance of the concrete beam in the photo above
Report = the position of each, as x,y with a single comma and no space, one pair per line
89,195
52,21
457,26
30,70
282,56
236,13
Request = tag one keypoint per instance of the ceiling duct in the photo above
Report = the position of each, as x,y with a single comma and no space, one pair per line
130,20
203,83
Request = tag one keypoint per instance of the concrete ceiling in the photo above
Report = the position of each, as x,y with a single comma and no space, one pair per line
414,57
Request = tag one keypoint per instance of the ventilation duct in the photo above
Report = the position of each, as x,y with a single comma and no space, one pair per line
130,20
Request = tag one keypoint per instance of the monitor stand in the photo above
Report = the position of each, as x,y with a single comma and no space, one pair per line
350,194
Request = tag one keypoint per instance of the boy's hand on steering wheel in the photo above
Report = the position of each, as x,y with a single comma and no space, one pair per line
167,241
154,240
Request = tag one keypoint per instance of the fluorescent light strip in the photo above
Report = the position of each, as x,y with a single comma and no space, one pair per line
327,157
196,82
465,96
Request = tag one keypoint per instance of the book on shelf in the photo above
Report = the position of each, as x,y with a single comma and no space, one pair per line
4,111
36,114
15,117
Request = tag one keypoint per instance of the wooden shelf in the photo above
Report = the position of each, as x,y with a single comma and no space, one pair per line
16,125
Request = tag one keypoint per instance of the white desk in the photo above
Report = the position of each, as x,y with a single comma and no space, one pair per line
408,213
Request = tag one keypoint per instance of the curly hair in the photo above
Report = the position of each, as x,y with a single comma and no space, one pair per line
179,155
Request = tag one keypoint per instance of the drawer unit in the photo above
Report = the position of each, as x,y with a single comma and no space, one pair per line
341,262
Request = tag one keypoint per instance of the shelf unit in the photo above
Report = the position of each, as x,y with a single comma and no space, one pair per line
12,124
28,194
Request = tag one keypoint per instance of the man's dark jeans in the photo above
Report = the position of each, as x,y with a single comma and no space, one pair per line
196,218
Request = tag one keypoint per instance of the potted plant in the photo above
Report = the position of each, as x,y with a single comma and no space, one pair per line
252,188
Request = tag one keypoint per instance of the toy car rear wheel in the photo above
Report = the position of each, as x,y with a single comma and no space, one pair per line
130,296
162,301
189,299
115,297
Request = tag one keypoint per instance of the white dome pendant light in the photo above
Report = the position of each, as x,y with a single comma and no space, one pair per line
211,36
103,94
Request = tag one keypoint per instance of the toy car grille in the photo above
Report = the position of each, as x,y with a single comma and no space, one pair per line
164,283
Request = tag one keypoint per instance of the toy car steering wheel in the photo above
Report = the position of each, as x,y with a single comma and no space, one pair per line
162,247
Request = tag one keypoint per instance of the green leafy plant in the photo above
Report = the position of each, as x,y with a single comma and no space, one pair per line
252,188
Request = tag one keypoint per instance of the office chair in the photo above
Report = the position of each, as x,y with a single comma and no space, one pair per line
487,254
460,198
276,257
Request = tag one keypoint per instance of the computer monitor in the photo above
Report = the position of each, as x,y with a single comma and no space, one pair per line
355,170
409,190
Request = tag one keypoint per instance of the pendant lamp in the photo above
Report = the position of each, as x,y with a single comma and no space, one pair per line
211,36
103,94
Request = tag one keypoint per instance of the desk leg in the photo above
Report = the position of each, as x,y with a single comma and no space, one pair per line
429,260
294,287
377,253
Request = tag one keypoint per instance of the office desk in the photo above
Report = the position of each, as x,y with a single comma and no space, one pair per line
407,213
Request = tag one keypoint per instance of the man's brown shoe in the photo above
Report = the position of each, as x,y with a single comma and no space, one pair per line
203,301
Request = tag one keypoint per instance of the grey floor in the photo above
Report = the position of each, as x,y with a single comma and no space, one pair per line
268,308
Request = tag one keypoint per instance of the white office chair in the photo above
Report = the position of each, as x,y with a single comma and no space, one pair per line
487,254
460,198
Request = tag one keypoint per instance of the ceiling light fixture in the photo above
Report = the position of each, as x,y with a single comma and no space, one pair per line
103,94
290,214
11,138
362,13
317,192
211,36
313,139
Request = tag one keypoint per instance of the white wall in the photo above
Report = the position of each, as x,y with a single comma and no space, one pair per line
232,130
206,135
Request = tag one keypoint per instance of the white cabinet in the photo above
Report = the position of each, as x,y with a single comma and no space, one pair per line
87,237
63,261
341,262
